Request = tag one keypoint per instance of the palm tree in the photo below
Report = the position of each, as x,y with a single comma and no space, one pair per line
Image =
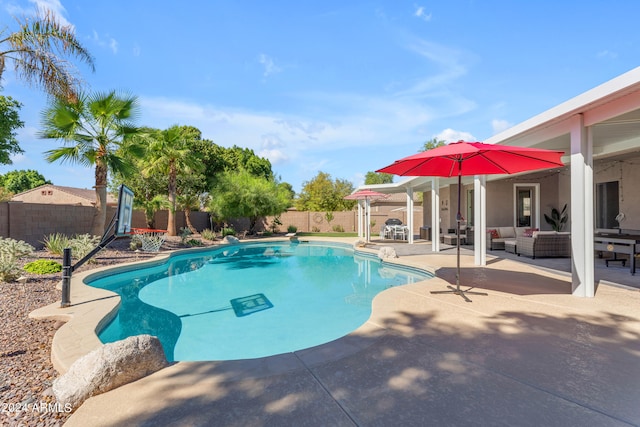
94,127
34,50
188,202
169,153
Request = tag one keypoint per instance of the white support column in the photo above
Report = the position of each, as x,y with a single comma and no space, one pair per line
410,215
435,215
360,229
367,223
480,219
582,275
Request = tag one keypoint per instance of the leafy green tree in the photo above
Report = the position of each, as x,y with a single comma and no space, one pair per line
9,122
378,178
188,202
241,194
5,195
289,188
432,143
169,153
322,193
96,129
217,159
22,180
150,206
40,50
237,158
150,192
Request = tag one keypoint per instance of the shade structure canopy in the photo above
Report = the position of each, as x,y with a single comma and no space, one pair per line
366,195
472,158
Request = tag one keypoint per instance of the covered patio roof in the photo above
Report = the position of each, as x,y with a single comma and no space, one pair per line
602,123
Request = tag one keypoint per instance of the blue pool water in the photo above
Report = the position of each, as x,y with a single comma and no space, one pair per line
252,300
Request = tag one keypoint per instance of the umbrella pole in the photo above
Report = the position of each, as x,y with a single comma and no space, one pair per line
457,290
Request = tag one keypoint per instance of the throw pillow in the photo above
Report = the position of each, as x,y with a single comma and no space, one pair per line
529,232
494,234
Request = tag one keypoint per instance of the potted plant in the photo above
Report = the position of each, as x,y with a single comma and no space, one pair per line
558,219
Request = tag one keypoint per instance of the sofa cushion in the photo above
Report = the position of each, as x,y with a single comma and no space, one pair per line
507,232
544,233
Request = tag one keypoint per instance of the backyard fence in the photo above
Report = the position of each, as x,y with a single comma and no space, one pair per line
32,222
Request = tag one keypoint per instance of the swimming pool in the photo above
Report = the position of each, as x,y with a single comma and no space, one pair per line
250,300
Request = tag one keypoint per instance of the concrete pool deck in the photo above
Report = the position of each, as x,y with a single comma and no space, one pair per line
529,353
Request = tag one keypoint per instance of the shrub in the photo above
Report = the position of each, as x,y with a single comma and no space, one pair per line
184,234
135,243
292,229
43,266
338,228
56,243
208,234
82,244
194,242
329,217
315,229
274,224
10,252
228,231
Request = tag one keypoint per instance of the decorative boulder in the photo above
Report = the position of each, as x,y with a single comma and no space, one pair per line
387,252
108,367
360,244
230,239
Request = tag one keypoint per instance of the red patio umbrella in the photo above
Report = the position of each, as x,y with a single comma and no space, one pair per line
472,158
366,195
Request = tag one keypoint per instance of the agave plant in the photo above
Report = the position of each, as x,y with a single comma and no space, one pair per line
558,219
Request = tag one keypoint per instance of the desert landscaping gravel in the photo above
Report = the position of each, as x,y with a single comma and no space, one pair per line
26,371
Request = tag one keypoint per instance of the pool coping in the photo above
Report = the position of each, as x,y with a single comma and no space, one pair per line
92,308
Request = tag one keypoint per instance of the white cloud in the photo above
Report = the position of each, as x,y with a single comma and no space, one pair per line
499,125
273,148
55,7
18,158
276,157
109,42
113,44
450,135
269,66
420,13
436,86
607,54
136,50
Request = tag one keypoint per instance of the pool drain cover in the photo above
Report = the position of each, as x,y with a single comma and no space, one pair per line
250,304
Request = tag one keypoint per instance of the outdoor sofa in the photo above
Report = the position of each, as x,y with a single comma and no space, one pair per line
496,236
544,244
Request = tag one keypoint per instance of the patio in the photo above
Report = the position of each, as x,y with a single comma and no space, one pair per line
528,354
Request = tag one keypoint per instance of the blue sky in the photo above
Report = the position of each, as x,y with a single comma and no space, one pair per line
343,87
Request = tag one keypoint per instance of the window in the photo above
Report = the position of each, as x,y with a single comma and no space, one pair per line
607,204
470,208
524,207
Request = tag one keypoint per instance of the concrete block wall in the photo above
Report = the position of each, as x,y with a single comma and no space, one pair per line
32,222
